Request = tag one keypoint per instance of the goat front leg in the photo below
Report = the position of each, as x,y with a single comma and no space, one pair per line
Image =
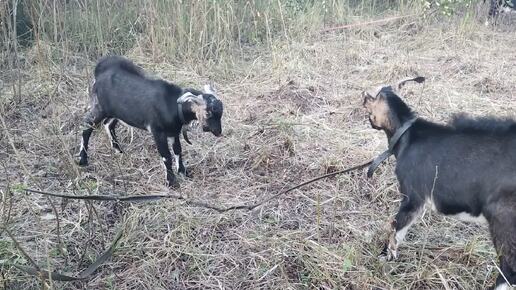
92,119
409,211
161,142
176,146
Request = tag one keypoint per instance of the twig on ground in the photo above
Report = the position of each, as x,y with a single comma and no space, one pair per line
139,198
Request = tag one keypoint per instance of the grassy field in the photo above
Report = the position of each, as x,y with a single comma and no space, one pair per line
293,111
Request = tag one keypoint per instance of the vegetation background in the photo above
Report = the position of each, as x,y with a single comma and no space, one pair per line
291,90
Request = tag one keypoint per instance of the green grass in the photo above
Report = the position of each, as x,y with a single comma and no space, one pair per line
174,30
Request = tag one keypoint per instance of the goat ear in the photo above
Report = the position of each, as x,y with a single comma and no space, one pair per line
208,89
368,99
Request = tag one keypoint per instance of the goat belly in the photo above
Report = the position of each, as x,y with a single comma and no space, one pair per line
459,174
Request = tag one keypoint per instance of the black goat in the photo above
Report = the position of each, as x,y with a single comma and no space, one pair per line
122,92
465,169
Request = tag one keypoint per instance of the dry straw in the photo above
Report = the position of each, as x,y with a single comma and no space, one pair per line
292,111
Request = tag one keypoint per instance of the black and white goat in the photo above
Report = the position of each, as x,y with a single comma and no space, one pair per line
465,169
122,92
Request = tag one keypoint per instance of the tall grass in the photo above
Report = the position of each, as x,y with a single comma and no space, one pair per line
174,29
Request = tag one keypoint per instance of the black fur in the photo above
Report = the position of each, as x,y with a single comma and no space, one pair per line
122,92
119,63
482,125
467,166
399,109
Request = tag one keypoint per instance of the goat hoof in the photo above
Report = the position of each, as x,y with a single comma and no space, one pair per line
392,255
387,257
117,149
173,184
388,254
185,174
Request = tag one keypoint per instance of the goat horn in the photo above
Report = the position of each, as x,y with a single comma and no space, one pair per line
189,97
185,97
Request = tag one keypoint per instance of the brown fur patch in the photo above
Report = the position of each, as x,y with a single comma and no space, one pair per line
200,112
379,111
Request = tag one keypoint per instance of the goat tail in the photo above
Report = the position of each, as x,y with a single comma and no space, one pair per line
418,80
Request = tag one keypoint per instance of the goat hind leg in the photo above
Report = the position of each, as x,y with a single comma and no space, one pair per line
110,125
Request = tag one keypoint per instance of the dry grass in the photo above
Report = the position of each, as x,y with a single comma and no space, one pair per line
292,112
